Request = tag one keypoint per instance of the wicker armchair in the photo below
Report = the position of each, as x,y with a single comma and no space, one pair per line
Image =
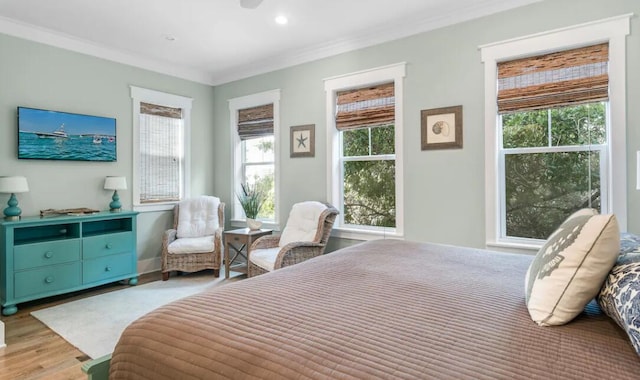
274,252
196,244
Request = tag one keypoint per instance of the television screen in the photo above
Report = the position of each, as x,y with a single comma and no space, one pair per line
54,135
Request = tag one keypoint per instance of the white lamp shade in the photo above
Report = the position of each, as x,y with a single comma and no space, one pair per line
13,185
115,183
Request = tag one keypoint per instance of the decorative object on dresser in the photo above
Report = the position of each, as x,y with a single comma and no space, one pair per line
305,236
251,200
115,184
239,241
195,241
441,128
42,257
303,141
68,211
13,185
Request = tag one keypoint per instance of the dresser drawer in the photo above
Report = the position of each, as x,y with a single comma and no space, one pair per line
107,267
47,253
46,279
107,244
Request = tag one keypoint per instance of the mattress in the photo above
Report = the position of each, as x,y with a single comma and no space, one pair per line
385,309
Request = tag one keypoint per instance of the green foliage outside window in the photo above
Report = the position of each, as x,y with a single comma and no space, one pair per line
369,185
260,175
542,189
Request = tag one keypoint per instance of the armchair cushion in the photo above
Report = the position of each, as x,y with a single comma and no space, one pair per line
192,245
302,224
198,217
265,258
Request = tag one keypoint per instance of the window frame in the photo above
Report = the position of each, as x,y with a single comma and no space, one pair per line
612,30
138,95
237,160
396,73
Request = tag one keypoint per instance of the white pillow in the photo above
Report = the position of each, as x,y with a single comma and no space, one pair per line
569,269
198,217
302,224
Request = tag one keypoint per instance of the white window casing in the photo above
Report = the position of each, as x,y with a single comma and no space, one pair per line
612,30
396,73
235,104
139,95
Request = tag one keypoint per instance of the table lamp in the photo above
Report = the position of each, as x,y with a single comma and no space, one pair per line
115,184
13,185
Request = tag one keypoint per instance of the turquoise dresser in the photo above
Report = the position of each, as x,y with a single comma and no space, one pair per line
46,256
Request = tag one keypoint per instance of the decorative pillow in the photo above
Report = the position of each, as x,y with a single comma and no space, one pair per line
198,217
569,269
619,297
302,224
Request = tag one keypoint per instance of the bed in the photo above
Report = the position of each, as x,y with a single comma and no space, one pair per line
384,309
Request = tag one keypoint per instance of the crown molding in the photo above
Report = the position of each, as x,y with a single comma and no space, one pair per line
262,66
64,41
370,38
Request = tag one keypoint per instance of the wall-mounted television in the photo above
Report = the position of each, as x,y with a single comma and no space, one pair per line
55,135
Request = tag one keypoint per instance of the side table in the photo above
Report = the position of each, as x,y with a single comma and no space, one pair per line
239,241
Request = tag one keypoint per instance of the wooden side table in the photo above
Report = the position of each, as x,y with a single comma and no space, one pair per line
239,241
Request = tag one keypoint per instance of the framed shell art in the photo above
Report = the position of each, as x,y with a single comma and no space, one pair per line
441,128
303,141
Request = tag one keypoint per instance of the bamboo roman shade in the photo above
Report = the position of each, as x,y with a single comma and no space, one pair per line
161,130
366,107
163,111
554,80
255,122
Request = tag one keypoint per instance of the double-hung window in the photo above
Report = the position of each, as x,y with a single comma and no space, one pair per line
161,135
254,134
554,154
365,164
554,131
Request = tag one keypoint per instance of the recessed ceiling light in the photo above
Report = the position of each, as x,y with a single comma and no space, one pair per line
281,20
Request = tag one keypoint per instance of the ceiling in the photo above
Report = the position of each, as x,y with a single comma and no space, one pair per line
217,41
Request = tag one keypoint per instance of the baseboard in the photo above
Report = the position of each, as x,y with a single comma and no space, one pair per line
149,265
2,344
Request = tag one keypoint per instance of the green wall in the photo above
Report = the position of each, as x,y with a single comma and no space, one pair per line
444,189
41,76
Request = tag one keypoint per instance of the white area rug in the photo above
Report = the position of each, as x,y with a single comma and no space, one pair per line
94,324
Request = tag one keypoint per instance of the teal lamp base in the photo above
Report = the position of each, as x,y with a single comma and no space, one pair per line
115,204
13,211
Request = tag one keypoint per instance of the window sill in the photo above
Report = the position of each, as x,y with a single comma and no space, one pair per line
358,234
528,248
154,207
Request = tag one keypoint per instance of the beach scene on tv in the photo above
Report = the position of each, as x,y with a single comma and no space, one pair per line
54,135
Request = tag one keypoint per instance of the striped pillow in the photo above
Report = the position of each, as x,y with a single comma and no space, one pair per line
570,268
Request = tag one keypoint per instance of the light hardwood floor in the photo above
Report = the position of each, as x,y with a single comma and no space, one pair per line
34,351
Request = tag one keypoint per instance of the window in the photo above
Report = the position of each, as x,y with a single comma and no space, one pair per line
161,134
555,129
365,161
254,130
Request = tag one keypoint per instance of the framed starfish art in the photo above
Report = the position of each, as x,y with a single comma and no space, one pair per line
303,141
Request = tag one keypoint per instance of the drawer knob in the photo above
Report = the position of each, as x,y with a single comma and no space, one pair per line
63,231
108,246
49,279
107,269
48,255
